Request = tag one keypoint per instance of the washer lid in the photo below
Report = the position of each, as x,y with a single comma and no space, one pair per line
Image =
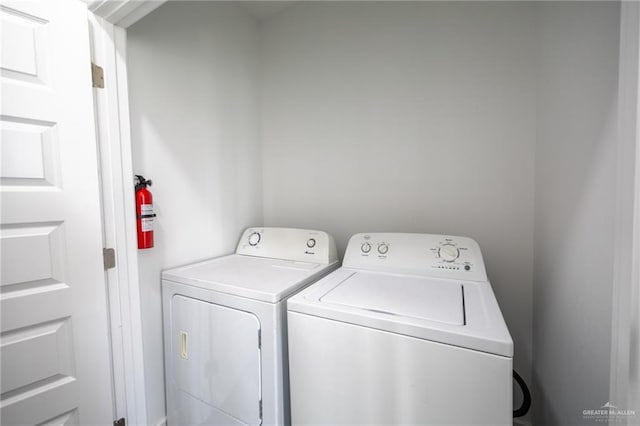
433,309
415,297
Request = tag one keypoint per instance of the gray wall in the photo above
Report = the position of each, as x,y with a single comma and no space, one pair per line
575,189
192,82
416,117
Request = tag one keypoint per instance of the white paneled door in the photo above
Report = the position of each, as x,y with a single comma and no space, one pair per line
53,307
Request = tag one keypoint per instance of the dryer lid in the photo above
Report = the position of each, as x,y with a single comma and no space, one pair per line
416,297
264,279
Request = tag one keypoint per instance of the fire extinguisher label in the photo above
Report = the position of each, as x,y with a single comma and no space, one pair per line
146,209
146,224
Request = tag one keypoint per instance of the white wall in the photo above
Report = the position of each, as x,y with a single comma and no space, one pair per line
192,79
416,117
575,207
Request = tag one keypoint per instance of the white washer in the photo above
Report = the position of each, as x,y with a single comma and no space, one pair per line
225,327
407,331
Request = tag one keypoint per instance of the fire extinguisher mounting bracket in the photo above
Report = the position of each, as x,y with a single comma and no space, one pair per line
145,216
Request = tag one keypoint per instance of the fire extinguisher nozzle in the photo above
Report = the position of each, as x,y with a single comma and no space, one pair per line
141,182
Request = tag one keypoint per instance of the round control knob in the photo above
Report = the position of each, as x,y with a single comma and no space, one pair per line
365,247
383,248
311,243
254,238
448,252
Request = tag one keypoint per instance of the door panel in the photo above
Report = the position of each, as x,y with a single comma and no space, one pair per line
29,153
22,363
25,41
54,343
215,358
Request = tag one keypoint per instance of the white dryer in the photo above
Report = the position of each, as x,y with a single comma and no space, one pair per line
225,327
407,331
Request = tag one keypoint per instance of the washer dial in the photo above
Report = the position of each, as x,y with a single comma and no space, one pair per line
448,252
311,242
365,247
383,248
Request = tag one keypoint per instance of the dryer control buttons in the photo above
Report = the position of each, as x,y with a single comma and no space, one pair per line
254,239
311,242
383,248
365,247
448,252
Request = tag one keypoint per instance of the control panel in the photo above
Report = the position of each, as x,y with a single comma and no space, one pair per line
423,254
287,243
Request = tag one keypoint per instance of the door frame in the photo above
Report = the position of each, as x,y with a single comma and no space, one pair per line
625,322
108,21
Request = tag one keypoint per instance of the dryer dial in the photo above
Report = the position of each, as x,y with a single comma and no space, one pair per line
254,239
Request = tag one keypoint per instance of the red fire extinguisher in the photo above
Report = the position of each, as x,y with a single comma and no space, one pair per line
144,213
